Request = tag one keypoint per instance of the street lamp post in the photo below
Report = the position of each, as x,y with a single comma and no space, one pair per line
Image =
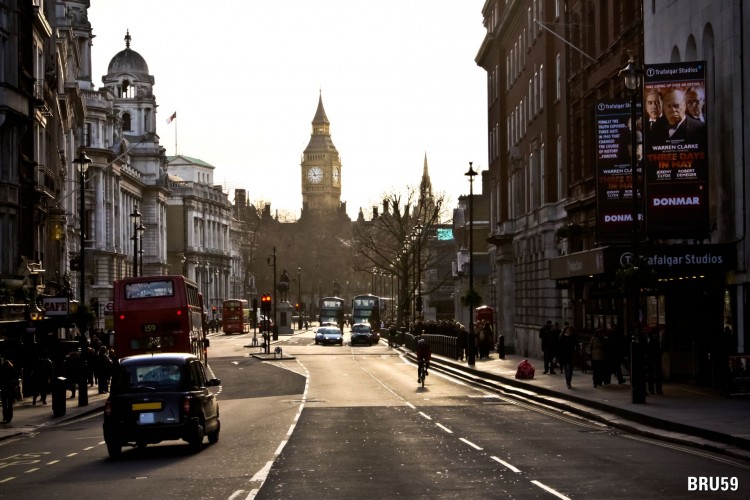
82,163
418,300
403,299
138,229
633,75
299,298
470,348
141,229
273,297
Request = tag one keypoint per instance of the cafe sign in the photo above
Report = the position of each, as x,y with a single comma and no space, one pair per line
55,306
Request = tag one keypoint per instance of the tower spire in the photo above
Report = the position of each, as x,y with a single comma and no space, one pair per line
127,39
425,186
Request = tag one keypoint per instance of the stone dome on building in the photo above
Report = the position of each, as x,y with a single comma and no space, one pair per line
128,61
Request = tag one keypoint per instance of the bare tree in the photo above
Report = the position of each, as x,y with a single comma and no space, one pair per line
396,242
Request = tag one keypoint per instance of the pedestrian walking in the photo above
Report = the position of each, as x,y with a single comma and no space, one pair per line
556,332
103,369
41,379
8,384
598,357
72,372
616,347
463,342
548,347
654,372
567,347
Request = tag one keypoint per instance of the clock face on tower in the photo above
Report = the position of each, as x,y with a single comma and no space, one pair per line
336,178
315,175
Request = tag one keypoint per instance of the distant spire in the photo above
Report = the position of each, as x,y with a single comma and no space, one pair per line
425,186
127,39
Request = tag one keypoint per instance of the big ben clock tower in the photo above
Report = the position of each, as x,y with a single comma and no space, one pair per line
321,168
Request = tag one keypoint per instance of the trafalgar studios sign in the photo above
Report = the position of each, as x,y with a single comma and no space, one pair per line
671,153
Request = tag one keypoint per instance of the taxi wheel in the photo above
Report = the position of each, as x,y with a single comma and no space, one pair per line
114,449
196,441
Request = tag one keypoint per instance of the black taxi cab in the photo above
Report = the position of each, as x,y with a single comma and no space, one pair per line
160,397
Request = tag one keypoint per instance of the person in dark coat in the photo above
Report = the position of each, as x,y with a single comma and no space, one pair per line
598,357
73,371
678,127
103,369
549,346
41,379
654,373
8,381
567,346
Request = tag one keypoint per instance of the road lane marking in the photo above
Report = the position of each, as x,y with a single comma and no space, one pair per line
281,447
550,490
410,405
52,462
72,454
444,428
263,473
10,478
425,415
476,447
31,470
506,464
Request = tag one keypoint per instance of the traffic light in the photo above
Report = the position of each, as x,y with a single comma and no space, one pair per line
255,304
213,310
265,302
296,307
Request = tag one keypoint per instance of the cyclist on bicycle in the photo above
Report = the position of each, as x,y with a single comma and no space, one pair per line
424,352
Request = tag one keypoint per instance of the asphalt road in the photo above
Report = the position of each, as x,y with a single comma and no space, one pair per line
351,422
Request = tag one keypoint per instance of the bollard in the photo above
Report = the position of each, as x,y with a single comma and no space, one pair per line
501,346
59,391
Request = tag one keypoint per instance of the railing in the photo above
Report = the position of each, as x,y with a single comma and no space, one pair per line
45,181
442,345
40,89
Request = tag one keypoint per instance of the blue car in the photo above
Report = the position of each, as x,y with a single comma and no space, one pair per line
329,335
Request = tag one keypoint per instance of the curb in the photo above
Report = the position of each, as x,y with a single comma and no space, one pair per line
633,422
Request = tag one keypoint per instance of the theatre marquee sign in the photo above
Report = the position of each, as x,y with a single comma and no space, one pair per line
666,260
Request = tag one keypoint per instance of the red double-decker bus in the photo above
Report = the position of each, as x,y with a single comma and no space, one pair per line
158,314
235,316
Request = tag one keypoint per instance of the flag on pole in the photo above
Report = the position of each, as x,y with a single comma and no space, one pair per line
174,115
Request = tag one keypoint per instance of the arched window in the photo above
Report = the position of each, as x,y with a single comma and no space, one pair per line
126,121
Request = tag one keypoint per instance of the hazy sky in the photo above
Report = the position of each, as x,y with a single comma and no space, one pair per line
398,80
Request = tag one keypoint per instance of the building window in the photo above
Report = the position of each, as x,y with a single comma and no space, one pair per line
87,134
558,77
542,178
540,100
559,168
126,122
531,99
533,183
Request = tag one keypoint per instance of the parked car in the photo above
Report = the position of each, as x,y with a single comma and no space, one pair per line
361,334
160,397
329,335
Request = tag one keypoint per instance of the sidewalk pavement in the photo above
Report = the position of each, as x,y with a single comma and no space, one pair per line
28,417
684,414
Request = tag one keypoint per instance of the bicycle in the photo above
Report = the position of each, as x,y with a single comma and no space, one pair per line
421,371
